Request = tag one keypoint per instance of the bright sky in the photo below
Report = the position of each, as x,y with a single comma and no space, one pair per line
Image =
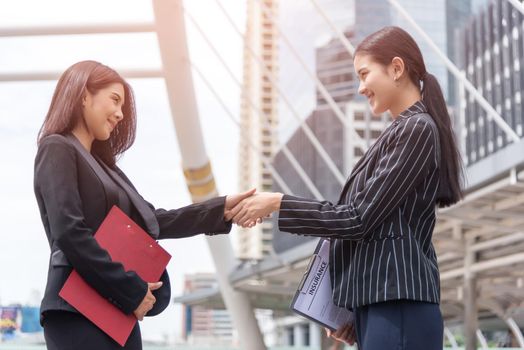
153,163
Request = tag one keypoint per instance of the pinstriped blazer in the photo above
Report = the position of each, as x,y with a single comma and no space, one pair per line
382,226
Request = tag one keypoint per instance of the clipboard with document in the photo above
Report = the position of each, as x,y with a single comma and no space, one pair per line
314,296
128,243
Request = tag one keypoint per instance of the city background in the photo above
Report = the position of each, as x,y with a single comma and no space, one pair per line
277,109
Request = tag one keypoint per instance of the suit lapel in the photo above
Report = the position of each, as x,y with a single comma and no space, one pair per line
416,108
141,206
107,185
108,177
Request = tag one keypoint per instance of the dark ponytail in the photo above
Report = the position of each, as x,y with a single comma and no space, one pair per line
390,42
451,171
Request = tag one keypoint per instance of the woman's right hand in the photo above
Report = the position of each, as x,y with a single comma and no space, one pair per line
148,302
344,334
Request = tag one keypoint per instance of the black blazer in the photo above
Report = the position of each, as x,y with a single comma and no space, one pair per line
382,226
74,194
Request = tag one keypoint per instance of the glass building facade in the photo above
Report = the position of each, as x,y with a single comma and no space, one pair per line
491,55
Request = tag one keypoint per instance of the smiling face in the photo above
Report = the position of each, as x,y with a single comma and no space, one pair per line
102,111
377,83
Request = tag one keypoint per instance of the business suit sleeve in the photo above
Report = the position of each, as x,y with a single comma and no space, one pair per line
205,217
57,183
406,161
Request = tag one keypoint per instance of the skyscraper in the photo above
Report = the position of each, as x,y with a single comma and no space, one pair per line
258,117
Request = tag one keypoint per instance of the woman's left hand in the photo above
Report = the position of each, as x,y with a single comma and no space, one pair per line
344,334
252,209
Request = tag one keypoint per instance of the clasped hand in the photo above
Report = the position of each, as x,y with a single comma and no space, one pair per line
249,208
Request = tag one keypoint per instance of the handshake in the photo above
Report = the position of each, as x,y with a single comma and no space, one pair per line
249,208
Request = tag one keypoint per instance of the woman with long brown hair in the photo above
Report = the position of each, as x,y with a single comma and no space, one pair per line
383,265
92,121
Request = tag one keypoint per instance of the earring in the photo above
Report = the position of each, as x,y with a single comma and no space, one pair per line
397,83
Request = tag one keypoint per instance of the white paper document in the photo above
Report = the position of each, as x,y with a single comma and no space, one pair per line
314,296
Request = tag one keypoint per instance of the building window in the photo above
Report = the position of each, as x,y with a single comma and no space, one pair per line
306,341
487,56
358,116
290,336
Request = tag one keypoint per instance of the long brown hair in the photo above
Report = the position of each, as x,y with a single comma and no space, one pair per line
65,110
390,42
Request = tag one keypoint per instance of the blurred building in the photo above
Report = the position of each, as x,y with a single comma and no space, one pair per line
258,118
30,319
203,325
491,55
297,332
10,319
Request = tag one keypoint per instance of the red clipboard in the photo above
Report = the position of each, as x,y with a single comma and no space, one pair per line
127,243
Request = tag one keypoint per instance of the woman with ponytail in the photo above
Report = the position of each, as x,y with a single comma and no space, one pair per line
383,265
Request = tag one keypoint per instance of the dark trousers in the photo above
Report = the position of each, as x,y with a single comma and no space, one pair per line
65,330
399,325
